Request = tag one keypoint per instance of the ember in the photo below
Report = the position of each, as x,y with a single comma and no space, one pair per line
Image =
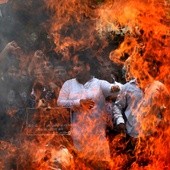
54,113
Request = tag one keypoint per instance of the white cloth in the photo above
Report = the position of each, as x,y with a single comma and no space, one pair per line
127,102
141,110
88,127
110,103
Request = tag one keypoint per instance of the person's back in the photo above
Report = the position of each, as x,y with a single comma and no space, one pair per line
152,107
127,102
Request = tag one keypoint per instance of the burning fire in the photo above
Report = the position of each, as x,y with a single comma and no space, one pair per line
145,27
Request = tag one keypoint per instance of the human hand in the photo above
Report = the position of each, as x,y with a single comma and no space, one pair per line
12,47
121,128
87,103
115,88
39,55
41,103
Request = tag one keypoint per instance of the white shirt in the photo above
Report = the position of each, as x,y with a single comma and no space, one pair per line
88,127
72,92
141,109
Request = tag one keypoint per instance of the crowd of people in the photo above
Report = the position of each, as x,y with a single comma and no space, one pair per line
101,106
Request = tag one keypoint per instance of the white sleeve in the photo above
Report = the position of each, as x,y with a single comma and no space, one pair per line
106,87
63,99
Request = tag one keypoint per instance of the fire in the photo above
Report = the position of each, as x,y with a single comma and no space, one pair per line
145,27
66,34
148,49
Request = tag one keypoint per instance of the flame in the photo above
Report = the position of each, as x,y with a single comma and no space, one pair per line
76,25
66,34
145,28
147,44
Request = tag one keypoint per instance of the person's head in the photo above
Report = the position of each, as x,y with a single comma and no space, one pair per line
81,66
38,89
39,56
106,67
47,67
60,73
107,71
38,75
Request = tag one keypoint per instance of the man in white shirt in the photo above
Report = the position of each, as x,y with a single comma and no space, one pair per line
86,95
142,107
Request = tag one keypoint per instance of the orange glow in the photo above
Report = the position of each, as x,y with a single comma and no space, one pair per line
146,31
3,1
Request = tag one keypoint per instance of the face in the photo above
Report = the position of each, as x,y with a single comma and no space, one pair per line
80,69
106,71
106,67
60,72
38,75
47,67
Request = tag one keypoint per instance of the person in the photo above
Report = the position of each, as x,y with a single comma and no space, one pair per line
60,76
43,91
12,104
109,72
127,101
38,61
86,94
138,113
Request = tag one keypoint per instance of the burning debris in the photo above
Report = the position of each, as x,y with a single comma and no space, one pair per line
40,44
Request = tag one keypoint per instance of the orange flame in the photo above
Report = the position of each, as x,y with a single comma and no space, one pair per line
145,25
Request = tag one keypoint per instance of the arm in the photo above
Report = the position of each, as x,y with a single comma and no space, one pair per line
108,89
63,99
10,47
119,107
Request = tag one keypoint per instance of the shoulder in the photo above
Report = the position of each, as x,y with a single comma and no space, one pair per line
98,81
155,85
130,86
101,81
127,85
70,81
158,86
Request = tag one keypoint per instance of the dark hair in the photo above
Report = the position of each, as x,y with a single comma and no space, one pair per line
38,86
87,58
